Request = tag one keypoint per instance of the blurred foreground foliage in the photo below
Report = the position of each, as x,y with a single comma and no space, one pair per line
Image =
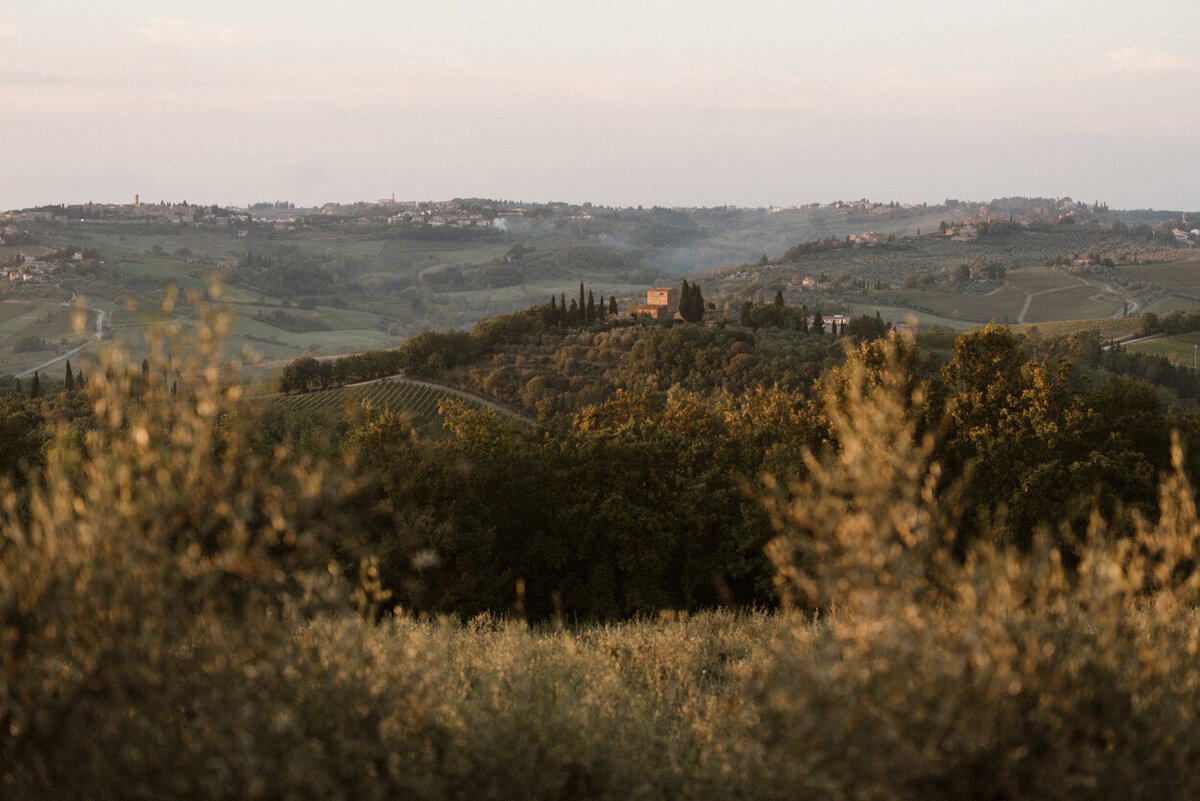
178,621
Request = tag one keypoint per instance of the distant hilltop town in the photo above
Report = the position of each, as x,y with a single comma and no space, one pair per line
863,223
136,211
284,215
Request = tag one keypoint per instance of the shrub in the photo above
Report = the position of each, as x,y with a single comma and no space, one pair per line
153,562
1001,675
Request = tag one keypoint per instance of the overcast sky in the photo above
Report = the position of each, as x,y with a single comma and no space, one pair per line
704,102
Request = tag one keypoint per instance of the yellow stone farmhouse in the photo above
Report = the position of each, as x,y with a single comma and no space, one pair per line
662,303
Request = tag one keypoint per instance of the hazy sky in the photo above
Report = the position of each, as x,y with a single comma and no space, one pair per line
703,102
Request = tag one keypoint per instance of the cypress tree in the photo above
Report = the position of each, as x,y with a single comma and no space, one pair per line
591,307
746,314
612,305
69,382
563,317
35,386
691,303
779,298
17,389
582,300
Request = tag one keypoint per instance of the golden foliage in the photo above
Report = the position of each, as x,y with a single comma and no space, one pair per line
1004,674
160,526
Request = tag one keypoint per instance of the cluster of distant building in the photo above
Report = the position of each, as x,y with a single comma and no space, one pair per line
969,218
137,211
808,283
1184,236
29,267
848,205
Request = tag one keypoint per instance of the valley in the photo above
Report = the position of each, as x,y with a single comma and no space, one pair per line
342,279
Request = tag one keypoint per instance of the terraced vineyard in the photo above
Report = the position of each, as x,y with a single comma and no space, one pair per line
417,401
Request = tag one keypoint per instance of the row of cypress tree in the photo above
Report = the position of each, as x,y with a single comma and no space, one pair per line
585,311
71,382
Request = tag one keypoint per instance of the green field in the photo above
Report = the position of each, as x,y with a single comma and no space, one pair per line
1079,302
154,274
16,315
1180,349
347,331
272,342
1182,276
410,254
1051,296
333,319
970,308
52,323
354,248
1109,327
897,314
1165,304
130,241
1038,279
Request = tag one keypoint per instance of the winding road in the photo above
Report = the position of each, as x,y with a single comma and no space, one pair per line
1127,311
100,313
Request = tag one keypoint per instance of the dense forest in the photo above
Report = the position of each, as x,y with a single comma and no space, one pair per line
948,548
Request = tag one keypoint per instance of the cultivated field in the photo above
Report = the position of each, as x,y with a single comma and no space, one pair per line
1033,280
1109,327
1080,301
1180,349
899,314
418,402
1003,307
1181,276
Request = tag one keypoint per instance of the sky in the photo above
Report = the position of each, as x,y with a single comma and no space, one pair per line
698,103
